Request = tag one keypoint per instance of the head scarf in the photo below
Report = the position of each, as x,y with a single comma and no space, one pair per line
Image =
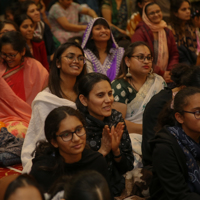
163,53
89,30
113,60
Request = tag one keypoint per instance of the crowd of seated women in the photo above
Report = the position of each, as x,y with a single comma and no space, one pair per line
115,121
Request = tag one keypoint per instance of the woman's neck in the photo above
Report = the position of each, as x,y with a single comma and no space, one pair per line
70,159
35,25
101,46
67,86
138,81
28,42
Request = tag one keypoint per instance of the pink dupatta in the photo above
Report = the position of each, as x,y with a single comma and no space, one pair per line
163,53
13,108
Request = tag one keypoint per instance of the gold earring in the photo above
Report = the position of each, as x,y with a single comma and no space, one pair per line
128,74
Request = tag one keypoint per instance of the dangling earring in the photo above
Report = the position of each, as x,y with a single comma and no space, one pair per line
128,74
151,71
58,66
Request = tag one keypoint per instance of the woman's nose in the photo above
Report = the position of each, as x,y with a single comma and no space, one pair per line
107,98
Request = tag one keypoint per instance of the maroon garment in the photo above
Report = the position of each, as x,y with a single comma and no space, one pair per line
144,33
40,54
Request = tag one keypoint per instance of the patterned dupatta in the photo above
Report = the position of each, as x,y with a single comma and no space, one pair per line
111,64
191,149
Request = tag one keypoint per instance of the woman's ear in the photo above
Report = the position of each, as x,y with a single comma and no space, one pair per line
127,61
54,143
179,118
57,63
83,100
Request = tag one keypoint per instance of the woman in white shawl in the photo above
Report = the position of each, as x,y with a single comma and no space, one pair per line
134,86
67,68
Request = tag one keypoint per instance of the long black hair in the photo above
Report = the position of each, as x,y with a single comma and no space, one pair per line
85,86
54,76
90,43
174,20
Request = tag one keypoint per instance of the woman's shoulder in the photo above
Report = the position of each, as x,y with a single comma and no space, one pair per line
122,90
32,63
44,161
46,99
54,7
38,44
116,116
34,68
119,83
90,156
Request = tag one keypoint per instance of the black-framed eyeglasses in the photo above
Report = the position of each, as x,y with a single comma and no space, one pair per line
196,113
11,56
142,58
68,135
71,57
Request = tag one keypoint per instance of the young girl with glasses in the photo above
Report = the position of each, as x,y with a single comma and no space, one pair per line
68,66
64,152
21,79
176,149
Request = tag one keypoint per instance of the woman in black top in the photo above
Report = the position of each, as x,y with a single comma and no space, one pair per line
106,129
176,150
65,152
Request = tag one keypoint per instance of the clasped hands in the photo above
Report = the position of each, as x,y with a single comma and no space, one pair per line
111,139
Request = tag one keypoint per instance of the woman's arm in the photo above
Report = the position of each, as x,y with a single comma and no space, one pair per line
43,13
173,51
131,126
70,27
88,11
107,14
126,160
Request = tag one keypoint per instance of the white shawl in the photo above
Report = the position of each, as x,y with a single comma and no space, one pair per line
42,105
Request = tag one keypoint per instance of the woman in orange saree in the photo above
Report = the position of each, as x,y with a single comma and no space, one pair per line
21,78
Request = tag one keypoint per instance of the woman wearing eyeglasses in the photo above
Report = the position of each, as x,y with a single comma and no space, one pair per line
135,85
153,30
64,152
68,66
176,149
21,79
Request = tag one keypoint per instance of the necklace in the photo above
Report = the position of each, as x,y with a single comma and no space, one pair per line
132,84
